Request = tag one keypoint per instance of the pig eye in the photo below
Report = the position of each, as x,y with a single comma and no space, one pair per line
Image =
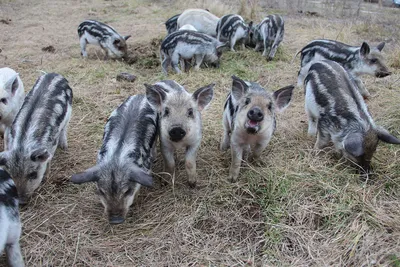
4,101
374,60
247,101
32,176
190,112
166,112
269,106
128,192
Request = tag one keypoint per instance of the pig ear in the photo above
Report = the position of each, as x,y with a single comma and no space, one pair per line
13,84
386,137
380,46
155,95
40,155
4,158
364,50
203,96
127,37
283,97
141,177
353,144
239,87
90,175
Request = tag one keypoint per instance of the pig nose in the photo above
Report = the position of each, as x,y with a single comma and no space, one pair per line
255,114
116,219
176,134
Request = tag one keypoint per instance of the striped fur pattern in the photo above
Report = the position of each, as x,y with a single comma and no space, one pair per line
338,113
97,33
232,28
172,24
249,119
124,160
39,127
269,34
355,59
11,98
203,20
180,121
187,44
10,230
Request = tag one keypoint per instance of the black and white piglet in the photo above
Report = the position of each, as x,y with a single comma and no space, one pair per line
187,44
232,28
10,225
124,160
269,34
355,59
249,119
338,113
98,33
39,127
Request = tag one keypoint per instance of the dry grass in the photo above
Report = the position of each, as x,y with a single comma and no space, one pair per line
296,207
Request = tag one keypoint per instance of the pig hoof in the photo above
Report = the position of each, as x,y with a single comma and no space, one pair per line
192,184
224,147
233,179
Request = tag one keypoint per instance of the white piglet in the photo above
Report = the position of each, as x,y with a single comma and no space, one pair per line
202,20
11,97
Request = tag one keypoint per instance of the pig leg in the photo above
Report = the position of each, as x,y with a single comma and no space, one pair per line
275,45
237,155
258,46
14,255
225,141
183,65
83,44
323,139
312,125
169,160
361,88
259,148
6,138
47,172
153,152
265,47
62,141
233,42
165,64
174,63
199,60
190,165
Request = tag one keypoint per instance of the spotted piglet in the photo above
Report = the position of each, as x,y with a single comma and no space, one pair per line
249,119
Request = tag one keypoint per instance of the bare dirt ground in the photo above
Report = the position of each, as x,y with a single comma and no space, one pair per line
294,208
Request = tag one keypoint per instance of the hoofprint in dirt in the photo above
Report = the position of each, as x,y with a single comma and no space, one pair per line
296,207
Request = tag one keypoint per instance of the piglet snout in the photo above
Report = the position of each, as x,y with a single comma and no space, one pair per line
255,114
115,219
176,134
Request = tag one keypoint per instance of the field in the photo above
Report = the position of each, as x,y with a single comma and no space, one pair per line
296,207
